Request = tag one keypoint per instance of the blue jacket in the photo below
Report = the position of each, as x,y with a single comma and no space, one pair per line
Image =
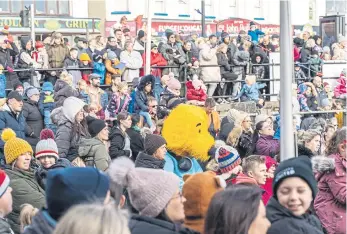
2,86
45,106
158,89
171,165
131,107
100,69
255,35
252,91
9,120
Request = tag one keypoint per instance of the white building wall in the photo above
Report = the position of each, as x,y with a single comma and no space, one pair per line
79,8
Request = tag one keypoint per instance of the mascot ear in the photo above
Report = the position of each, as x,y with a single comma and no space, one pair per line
220,182
186,177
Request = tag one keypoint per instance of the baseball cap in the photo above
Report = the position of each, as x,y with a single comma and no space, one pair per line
94,76
15,95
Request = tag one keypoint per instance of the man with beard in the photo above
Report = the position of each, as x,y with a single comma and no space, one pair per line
213,41
119,37
97,96
112,45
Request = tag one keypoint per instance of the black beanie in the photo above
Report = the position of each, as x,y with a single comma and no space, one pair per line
95,125
140,34
169,34
295,167
152,143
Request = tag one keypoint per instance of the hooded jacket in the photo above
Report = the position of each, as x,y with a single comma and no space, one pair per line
42,223
136,141
63,90
147,161
302,150
285,222
330,202
6,56
33,122
258,69
94,153
57,54
141,96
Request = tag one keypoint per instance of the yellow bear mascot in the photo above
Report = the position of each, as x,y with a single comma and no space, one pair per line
188,140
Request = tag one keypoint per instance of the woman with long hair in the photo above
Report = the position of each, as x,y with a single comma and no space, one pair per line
263,142
309,142
119,139
238,209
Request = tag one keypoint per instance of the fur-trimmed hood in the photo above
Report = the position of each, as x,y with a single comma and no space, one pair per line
321,164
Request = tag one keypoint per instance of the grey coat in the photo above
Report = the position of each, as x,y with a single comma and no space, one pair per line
94,151
208,56
240,60
76,74
175,56
33,122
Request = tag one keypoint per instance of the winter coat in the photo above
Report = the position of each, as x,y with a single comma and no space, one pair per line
46,106
63,90
148,161
2,86
141,101
110,70
25,189
158,89
10,120
267,187
171,165
94,153
56,55
117,143
258,71
195,50
240,60
140,47
340,88
255,35
251,91
85,73
33,122
267,146
300,75
25,61
147,225
330,202
174,55
5,227
156,60
208,56
98,97
42,223
133,62
285,222
338,53
193,94
245,143
6,59
76,74
223,63
296,53
100,69
114,107
136,141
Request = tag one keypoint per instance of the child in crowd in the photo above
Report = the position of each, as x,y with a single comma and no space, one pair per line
302,88
85,62
194,70
119,102
337,105
46,105
326,105
99,67
299,74
131,108
250,91
26,216
271,165
340,89
315,63
2,82
196,94
326,53
83,90
5,202
257,69
92,110
72,62
254,171
40,55
19,88
229,163
328,90
172,90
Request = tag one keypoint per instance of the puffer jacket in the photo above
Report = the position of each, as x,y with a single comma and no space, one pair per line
94,153
267,146
330,202
136,141
176,58
245,144
340,88
56,55
285,222
117,143
63,90
42,223
25,189
33,122
208,56
193,94
240,60
148,161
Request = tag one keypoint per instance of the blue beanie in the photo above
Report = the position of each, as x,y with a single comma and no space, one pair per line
47,86
75,185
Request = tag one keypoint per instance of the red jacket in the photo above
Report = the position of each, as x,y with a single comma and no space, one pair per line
330,202
340,87
296,54
193,94
268,184
156,60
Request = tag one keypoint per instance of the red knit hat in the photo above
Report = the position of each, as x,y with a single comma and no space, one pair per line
4,182
39,44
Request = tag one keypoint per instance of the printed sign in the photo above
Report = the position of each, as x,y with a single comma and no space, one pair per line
235,25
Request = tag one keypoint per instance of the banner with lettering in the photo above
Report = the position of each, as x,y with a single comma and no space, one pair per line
235,25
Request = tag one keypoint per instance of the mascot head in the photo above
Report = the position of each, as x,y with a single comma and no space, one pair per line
186,132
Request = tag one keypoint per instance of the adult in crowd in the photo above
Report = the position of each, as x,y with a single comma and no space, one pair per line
294,189
111,61
156,214
208,56
238,209
6,203
263,142
91,49
194,47
173,53
318,86
93,188
72,62
246,138
93,218
225,39
330,203
119,38
8,50
71,127
213,117
93,150
157,59
63,89
140,42
81,45
112,45
154,152
18,154
33,117
57,52
119,139
136,138
132,60
97,96
309,142
12,117
159,86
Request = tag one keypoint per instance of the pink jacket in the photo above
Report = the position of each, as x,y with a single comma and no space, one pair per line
340,88
330,202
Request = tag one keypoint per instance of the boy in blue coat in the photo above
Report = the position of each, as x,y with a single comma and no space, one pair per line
46,105
254,33
99,68
250,91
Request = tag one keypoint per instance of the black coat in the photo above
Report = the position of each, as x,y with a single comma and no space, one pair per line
117,143
6,59
5,227
136,142
283,221
146,225
245,144
63,90
34,122
304,151
148,161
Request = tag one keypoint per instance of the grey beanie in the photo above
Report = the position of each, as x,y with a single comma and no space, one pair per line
32,91
111,55
153,142
150,190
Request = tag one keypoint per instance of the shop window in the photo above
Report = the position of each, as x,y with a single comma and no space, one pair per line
336,6
4,6
42,7
16,6
64,7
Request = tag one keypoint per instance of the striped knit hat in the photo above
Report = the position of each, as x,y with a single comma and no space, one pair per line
46,146
228,158
4,182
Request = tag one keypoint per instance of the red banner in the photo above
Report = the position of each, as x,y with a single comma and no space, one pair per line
234,26
109,25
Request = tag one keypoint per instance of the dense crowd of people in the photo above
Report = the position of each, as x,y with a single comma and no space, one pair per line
140,157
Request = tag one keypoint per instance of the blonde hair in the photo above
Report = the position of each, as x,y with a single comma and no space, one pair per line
234,136
93,218
121,85
307,136
26,215
221,47
67,77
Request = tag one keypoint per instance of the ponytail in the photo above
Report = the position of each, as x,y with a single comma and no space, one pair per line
255,137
